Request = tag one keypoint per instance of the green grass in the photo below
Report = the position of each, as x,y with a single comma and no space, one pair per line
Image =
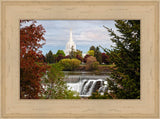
101,65
106,65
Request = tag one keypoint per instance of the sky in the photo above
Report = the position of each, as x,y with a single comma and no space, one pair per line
85,34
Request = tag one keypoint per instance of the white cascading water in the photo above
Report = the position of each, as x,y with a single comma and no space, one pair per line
86,87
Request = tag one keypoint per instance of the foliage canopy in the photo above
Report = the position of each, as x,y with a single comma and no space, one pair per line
125,78
32,66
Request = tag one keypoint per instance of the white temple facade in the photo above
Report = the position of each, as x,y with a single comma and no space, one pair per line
70,44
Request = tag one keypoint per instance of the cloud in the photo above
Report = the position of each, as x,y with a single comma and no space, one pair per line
85,33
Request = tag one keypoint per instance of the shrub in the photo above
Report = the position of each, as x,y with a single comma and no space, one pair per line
97,95
70,64
92,63
65,63
75,63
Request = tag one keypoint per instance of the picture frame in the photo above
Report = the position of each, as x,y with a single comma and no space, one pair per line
12,11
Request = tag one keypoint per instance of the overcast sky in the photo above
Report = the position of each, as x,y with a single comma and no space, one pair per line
85,34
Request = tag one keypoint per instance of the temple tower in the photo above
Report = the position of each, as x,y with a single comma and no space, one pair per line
70,44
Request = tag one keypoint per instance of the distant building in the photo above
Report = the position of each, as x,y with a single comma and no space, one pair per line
70,44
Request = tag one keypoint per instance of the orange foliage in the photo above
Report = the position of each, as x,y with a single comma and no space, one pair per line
91,63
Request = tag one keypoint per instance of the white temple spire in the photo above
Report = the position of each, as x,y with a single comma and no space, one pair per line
71,40
70,44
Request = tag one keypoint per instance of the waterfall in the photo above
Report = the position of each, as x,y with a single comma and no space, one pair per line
86,87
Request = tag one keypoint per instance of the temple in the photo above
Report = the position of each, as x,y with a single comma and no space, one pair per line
70,44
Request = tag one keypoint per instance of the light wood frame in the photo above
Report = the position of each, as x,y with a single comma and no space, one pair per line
14,10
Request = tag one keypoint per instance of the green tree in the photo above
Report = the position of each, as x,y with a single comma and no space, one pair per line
55,86
125,78
60,52
91,52
72,53
92,48
98,55
50,58
78,52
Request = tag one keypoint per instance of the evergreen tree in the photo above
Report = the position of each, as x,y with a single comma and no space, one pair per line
72,53
75,54
50,58
98,55
125,78
92,48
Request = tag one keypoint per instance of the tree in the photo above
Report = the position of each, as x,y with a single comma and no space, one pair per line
59,57
105,58
125,78
60,52
72,53
55,86
79,58
91,52
91,63
43,58
50,58
98,55
78,52
67,57
85,58
92,48
32,66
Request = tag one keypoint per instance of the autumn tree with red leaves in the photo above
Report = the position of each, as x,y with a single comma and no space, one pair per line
79,58
59,57
85,58
32,66
105,58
